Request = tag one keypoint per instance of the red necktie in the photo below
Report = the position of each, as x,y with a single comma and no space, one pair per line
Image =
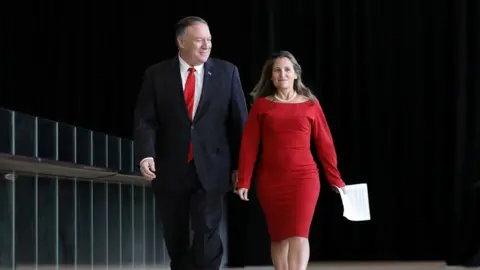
189,98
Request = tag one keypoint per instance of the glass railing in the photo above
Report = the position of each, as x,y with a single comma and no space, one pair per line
56,221
70,197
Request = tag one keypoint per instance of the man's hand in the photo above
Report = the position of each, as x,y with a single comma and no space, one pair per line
147,168
242,193
234,178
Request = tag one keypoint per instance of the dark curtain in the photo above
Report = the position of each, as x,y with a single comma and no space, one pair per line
82,63
399,82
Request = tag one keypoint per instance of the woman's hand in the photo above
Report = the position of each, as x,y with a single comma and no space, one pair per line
242,193
335,189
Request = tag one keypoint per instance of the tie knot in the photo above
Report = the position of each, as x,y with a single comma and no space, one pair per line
191,70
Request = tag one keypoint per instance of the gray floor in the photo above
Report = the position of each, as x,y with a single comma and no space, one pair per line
313,266
375,266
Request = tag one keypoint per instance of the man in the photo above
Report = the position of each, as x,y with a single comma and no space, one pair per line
189,120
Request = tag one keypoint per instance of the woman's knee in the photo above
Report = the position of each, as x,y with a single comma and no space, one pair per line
297,240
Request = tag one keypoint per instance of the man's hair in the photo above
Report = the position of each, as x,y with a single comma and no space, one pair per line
186,22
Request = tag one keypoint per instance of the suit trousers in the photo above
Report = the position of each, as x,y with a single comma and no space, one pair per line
187,210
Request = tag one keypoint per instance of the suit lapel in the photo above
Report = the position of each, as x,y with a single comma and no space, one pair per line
177,85
206,89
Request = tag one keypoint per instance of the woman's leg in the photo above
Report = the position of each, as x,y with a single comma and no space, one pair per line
298,253
280,254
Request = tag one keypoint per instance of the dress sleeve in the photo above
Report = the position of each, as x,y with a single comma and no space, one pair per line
325,147
249,148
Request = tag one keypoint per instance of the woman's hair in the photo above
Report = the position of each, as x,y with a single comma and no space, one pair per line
265,87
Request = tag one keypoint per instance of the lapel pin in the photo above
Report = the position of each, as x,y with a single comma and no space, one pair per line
209,73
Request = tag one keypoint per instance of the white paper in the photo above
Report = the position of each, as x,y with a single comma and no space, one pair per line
355,202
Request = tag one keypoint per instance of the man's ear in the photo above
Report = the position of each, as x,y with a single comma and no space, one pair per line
180,43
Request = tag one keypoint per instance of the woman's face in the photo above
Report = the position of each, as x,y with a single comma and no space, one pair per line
283,74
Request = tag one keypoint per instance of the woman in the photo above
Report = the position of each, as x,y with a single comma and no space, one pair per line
284,118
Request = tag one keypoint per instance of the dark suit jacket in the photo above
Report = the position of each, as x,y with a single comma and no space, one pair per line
163,129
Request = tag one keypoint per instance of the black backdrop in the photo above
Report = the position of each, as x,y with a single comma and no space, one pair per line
398,81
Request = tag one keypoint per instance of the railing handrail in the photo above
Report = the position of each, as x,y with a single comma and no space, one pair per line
40,166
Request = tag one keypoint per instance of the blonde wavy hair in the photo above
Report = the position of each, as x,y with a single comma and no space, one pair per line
265,87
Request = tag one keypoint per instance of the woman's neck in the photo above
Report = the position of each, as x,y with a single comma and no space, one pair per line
285,93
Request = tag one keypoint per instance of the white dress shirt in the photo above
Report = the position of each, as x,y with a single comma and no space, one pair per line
199,71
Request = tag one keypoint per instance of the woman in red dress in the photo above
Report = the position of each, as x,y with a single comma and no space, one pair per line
284,118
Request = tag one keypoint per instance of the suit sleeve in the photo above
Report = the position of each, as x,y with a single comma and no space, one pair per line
145,121
238,117
249,148
325,147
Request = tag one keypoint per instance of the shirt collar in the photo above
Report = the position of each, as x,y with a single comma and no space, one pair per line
184,66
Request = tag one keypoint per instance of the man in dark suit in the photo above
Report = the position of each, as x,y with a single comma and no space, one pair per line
189,120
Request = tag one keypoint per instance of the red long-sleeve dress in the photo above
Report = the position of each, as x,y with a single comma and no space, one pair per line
288,183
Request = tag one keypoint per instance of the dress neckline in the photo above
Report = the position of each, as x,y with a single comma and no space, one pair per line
271,101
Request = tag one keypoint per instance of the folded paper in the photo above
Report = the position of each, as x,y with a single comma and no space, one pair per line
355,202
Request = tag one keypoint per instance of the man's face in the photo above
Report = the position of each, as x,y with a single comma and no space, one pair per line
196,43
